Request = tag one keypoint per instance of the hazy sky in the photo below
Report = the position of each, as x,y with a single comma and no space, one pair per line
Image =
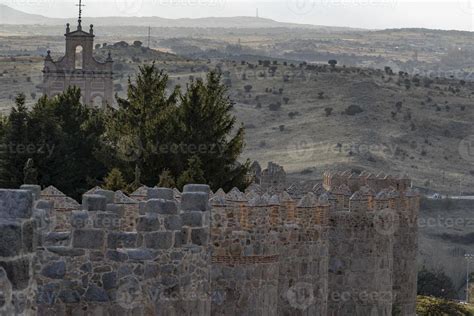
442,14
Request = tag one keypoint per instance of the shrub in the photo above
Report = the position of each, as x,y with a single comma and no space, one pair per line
248,88
275,106
328,111
437,284
332,63
353,110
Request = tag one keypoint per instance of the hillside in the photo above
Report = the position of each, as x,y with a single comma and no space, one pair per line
406,124
9,15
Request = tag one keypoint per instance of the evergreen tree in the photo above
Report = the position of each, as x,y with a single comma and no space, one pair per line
114,180
207,131
62,136
166,180
143,122
136,184
193,174
13,155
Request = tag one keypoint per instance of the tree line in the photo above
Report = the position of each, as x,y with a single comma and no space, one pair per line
156,136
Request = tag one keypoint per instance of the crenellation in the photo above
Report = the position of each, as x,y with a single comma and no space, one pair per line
204,253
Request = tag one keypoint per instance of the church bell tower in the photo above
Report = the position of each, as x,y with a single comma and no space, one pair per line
79,68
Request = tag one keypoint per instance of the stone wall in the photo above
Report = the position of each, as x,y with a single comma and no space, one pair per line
344,249
17,247
161,267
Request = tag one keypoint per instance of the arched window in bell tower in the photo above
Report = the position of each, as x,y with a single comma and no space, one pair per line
78,57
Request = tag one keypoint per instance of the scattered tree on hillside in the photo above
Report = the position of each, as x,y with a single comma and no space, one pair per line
332,63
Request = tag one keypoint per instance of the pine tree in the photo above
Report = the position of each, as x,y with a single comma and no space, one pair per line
166,180
132,187
114,180
207,123
193,174
143,122
15,136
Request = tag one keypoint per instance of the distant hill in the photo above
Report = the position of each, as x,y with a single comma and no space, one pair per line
11,16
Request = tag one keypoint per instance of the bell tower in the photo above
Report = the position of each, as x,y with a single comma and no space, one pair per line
79,68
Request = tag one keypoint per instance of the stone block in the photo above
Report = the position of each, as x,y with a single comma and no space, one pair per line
195,201
18,272
29,241
197,188
109,195
54,270
118,256
178,239
192,219
115,209
34,189
16,204
148,224
200,236
96,294
160,206
122,240
57,237
159,240
79,219
142,208
47,294
69,296
109,280
66,251
44,205
140,254
108,221
10,238
88,239
94,202
173,222
160,193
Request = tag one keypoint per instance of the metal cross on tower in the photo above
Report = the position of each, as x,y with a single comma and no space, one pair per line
80,5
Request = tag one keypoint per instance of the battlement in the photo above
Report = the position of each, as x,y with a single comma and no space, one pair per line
203,253
377,183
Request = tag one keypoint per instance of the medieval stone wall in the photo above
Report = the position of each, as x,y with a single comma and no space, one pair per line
345,249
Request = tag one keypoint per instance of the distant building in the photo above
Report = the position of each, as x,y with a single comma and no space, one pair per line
79,68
